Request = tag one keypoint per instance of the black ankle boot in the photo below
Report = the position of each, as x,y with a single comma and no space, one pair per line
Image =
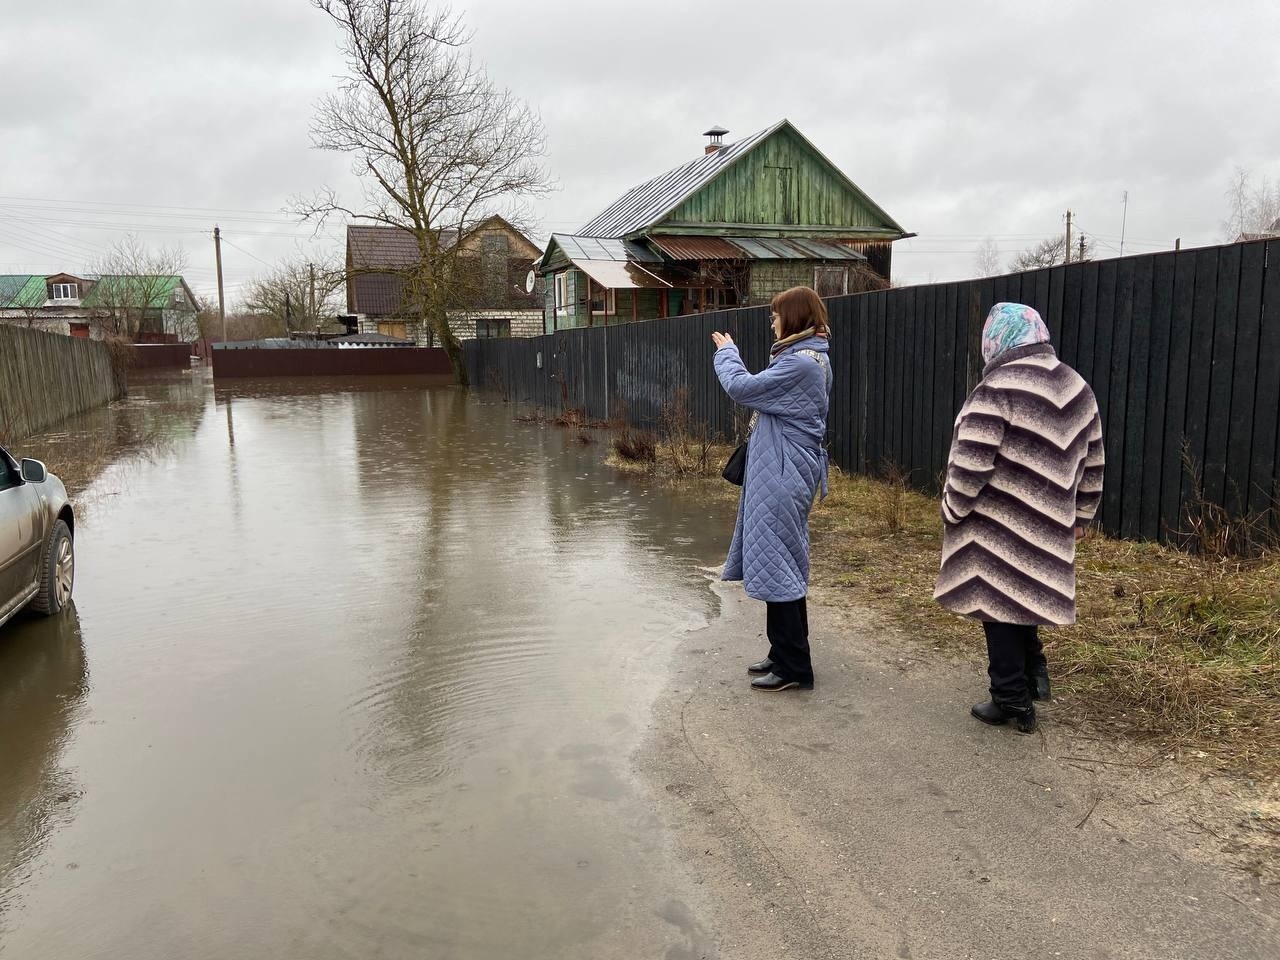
997,714
765,666
772,683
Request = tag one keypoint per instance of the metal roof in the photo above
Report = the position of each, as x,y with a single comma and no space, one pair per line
381,339
383,247
696,248
602,248
752,248
643,206
620,276
115,291
795,248
23,290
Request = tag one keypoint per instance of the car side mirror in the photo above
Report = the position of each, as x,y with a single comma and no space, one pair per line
33,471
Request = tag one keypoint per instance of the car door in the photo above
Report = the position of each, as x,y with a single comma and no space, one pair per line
20,536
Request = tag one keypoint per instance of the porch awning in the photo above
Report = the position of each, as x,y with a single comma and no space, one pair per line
620,275
752,248
697,248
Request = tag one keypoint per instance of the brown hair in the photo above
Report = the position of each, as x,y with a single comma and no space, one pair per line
800,308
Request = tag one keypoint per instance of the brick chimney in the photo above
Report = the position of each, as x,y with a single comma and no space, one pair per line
717,139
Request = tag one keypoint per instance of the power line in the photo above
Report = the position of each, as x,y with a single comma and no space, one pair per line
244,251
141,206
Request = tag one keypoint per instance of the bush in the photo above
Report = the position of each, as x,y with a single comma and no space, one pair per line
636,446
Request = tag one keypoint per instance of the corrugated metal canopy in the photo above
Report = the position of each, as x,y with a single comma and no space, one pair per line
795,248
618,275
697,248
602,248
752,248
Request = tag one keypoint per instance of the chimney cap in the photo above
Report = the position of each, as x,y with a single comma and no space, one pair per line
716,131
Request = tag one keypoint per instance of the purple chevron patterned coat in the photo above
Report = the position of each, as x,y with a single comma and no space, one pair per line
1025,470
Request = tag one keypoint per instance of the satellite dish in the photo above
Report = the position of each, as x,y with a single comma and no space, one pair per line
529,282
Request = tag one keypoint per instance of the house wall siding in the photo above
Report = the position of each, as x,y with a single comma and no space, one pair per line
780,183
769,278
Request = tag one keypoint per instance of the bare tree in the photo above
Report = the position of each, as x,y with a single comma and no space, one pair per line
286,294
252,326
986,262
1050,253
33,315
1253,206
439,146
133,286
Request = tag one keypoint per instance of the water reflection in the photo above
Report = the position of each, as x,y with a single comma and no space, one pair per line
43,682
369,662
160,413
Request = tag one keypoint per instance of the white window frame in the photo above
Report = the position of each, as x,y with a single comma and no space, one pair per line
72,291
562,291
610,304
844,285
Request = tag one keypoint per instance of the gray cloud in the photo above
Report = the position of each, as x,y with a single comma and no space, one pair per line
963,120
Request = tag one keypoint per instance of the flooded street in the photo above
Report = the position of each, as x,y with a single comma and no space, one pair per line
355,673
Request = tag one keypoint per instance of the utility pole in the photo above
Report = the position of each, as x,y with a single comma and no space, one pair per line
222,307
1124,220
314,319
1067,257
1080,259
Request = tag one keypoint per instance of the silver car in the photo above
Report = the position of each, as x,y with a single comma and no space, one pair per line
37,552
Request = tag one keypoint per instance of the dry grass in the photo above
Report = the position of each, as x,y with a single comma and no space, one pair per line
1180,647
672,464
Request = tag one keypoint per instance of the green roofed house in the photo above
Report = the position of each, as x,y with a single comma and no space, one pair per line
142,308
737,225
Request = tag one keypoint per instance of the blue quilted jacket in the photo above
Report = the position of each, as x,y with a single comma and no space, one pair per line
786,466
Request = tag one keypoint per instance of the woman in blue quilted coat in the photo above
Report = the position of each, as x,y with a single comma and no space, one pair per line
786,466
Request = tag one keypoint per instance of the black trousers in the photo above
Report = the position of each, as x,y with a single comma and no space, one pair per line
787,626
1014,655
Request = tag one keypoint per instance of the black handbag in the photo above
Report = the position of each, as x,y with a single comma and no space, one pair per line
735,469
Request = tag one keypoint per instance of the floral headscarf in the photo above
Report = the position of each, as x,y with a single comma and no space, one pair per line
1011,325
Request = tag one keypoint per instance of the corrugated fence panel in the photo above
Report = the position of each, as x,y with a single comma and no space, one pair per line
1264,490
1140,348
1180,349
1223,317
1245,377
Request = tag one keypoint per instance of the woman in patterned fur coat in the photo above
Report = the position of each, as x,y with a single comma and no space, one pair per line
1023,480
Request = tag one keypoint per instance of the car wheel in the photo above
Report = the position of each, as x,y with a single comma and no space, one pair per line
57,572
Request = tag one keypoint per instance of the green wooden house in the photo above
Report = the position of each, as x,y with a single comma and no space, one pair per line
731,228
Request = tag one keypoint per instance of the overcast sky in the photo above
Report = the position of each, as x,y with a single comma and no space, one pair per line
962,120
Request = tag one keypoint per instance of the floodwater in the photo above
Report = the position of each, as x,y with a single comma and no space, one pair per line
351,672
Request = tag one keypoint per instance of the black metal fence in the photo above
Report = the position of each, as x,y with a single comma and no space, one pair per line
1182,350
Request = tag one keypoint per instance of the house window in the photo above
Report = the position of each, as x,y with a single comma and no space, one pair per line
831,281
562,290
603,301
179,298
492,329
66,291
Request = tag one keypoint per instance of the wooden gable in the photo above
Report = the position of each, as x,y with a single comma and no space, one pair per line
517,243
783,185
